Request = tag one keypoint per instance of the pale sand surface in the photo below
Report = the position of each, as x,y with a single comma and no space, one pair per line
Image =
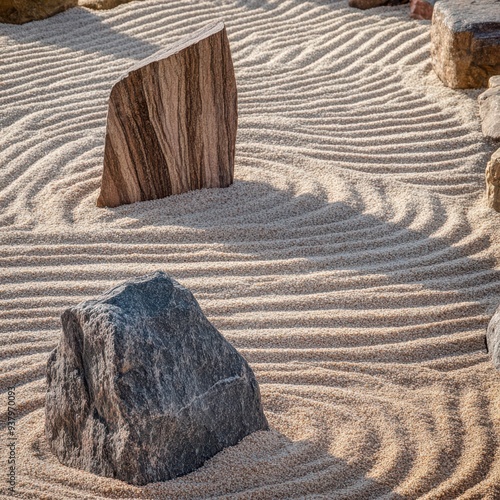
352,262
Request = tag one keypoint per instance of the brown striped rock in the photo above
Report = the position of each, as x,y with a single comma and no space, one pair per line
172,122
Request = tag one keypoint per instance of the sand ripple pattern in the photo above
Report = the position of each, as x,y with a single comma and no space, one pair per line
351,262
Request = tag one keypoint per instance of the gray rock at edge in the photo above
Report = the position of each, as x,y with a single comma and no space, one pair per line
143,388
493,339
489,110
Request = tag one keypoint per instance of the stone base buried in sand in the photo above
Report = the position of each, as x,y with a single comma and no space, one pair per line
465,42
172,122
143,388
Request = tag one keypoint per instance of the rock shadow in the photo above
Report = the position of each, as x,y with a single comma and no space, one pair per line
260,220
270,465
90,34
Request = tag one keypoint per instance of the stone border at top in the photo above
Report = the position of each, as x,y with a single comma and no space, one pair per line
465,42
24,11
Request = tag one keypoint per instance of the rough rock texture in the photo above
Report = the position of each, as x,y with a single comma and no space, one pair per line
493,337
172,122
493,181
369,4
494,81
23,11
422,9
101,4
143,388
489,110
465,42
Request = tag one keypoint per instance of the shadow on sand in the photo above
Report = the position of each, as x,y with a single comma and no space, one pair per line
83,26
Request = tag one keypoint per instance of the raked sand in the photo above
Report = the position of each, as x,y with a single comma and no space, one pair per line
353,262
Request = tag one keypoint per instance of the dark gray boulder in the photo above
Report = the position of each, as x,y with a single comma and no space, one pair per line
143,388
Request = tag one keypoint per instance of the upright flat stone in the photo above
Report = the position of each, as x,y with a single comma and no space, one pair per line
465,42
23,11
143,388
172,122
370,4
422,9
493,184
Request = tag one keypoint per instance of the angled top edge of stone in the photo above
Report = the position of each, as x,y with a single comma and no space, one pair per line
464,15
115,292
204,32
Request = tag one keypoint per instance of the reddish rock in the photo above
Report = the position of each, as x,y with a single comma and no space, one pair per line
422,9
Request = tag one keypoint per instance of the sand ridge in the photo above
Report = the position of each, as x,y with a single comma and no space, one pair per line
352,262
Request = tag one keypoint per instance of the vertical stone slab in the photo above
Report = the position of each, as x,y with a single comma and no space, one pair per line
465,42
172,122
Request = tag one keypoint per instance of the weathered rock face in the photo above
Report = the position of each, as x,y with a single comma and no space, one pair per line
422,9
493,339
101,4
370,4
23,11
494,81
493,181
143,388
465,42
172,122
489,110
